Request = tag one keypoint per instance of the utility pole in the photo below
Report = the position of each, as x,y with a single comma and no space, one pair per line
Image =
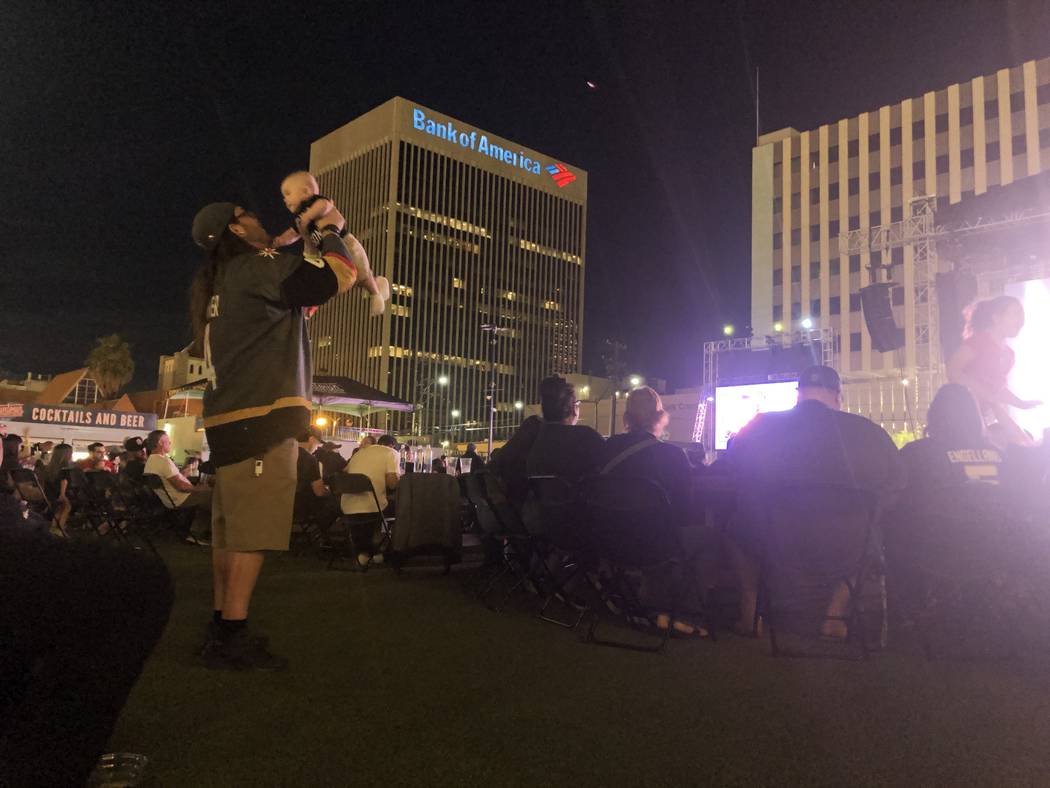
492,330
615,369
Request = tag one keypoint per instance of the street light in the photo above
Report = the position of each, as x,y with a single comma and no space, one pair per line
585,389
778,327
728,330
443,380
320,421
519,405
635,380
807,323
455,414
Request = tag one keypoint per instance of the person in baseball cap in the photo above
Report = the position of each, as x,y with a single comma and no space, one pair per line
820,377
210,222
821,384
133,445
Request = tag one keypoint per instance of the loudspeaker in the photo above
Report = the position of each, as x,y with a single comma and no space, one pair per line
886,335
956,290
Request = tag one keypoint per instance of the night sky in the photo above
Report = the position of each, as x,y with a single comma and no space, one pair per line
117,121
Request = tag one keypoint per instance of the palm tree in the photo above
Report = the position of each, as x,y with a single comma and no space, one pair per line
110,364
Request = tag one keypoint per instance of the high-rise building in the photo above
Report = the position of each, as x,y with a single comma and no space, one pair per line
811,188
473,231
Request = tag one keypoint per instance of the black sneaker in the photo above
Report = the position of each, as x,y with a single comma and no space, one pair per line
242,651
213,638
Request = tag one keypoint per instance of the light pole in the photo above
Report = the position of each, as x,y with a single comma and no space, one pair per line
492,330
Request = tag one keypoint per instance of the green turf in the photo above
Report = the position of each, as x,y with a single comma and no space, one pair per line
410,681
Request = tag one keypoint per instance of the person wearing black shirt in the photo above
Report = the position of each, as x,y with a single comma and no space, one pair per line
562,447
639,453
312,498
955,449
246,307
814,442
509,463
134,464
477,462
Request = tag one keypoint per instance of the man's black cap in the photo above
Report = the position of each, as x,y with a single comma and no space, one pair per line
331,446
134,444
819,377
209,223
311,432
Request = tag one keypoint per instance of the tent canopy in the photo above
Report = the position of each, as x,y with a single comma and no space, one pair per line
350,396
333,393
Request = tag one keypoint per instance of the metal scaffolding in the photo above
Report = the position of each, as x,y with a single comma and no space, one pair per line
702,431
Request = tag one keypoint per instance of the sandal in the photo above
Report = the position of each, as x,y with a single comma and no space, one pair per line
678,627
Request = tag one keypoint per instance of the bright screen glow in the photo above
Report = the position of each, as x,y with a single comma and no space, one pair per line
1030,378
736,406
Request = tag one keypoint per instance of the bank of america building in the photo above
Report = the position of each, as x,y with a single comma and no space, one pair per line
811,188
472,230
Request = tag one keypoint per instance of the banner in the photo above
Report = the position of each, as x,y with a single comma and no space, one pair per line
79,417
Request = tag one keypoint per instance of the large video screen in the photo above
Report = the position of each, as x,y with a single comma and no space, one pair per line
1030,378
736,406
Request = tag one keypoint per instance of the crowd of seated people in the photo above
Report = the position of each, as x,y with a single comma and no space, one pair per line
53,465
814,443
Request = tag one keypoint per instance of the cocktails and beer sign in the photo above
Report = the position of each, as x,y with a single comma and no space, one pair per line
80,417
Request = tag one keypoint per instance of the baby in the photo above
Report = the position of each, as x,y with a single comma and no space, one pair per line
312,210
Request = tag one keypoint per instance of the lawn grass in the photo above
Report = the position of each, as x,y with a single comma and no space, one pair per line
410,681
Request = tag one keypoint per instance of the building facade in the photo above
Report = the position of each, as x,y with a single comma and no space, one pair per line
472,231
179,369
811,188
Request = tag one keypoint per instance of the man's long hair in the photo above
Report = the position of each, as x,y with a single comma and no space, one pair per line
203,286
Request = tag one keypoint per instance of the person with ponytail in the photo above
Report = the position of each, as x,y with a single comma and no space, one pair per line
247,306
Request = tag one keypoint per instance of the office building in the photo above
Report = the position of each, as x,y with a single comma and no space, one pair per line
472,230
810,188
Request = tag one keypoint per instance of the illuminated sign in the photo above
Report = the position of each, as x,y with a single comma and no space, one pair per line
561,175
480,143
37,414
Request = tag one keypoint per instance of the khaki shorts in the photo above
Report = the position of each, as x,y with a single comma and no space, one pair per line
249,512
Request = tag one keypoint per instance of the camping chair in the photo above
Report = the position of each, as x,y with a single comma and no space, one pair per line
493,535
29,489
631,528
978,562
359,484
520,546
558,521
429,519
816,540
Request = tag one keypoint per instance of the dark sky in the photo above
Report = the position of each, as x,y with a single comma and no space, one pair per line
118,120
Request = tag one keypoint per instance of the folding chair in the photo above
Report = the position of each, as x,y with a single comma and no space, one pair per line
179,520
631,528
85,502
816,540
359,484
559,522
